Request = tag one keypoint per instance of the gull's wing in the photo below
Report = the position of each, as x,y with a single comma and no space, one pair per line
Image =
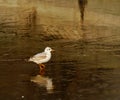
39,56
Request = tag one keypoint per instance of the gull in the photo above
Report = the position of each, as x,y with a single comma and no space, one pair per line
41,58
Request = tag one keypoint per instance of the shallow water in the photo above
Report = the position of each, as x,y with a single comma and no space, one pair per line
78,69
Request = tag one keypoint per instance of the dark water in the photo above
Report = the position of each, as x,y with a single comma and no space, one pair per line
79,70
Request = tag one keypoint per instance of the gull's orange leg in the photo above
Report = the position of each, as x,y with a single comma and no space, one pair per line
42,69
42,66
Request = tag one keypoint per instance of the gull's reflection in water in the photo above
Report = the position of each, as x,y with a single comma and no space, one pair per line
44,82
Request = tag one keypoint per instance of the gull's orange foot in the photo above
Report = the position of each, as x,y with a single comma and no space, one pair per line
42,72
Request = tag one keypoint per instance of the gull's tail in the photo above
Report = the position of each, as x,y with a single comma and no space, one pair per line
27,59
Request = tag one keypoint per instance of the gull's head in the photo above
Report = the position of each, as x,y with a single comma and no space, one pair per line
48,49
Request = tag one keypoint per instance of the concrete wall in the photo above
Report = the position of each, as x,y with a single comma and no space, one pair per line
63,16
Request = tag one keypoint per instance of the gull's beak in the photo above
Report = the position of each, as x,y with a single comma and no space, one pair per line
52,50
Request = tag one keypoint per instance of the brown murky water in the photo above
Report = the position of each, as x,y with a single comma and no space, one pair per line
82,69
